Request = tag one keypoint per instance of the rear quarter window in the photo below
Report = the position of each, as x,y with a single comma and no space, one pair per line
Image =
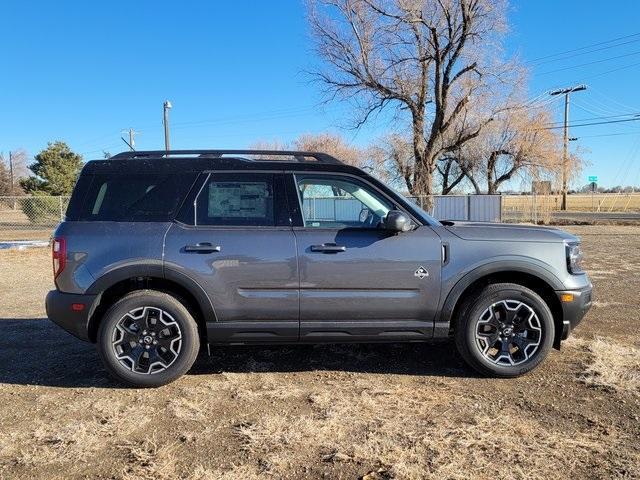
134,197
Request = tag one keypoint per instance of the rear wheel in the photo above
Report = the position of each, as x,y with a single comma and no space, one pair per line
147,339
504,331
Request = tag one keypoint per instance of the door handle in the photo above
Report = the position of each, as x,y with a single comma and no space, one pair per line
328,248
202,248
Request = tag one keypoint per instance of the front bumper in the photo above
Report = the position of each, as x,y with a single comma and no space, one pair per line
574,311
60,310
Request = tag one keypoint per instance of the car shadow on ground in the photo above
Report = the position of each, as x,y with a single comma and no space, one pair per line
36,352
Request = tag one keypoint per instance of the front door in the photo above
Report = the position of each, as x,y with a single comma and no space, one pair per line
237,244
359,282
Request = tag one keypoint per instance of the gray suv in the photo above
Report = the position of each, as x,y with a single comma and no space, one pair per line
162,253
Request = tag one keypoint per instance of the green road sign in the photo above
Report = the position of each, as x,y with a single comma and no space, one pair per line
593,178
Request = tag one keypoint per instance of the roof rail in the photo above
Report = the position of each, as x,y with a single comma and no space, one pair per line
299,156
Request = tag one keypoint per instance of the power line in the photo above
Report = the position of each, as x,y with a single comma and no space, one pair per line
605,117
609,99
596,107
592,123
592,107
610,71
589,63
635,132
598,118
587,46
536,64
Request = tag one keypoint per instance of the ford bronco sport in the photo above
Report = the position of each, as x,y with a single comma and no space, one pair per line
162,253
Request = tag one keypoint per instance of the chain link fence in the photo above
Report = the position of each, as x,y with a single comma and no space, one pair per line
31,217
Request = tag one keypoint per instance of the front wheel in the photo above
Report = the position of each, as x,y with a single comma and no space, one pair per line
505,331
147,339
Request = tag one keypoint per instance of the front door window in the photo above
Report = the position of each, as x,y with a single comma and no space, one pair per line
338,202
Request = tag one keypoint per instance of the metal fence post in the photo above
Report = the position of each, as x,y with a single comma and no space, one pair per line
61,210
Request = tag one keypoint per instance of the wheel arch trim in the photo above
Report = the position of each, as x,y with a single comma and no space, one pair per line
154,270
453,296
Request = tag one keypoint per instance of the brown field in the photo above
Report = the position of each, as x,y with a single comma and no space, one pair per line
577,203
362,411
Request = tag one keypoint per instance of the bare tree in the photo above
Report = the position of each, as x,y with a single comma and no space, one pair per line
426,57
334,145
15,167
451,173
393,156
269,145
519,141
331,143
5,179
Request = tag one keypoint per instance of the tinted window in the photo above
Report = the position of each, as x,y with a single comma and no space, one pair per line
340,202
237,199
135,198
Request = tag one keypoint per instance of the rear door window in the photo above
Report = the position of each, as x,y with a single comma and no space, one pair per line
135,197
238,199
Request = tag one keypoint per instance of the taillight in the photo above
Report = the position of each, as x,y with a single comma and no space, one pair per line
59,255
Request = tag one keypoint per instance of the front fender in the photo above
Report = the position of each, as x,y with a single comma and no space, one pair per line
456,285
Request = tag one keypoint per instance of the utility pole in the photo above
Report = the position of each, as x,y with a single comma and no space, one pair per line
11,179
565,144
166,108
11,171
132,141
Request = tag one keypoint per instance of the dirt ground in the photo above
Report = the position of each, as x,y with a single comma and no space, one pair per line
372,411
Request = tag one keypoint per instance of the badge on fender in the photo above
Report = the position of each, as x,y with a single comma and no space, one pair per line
421,272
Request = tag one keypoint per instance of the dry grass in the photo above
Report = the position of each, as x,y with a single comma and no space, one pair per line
613,365
35,233
149,461
76,437
578,203
415,435
26,279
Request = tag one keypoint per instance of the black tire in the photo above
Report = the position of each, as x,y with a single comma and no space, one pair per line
498,296
182,337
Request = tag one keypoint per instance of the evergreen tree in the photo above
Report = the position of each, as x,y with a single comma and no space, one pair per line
55,169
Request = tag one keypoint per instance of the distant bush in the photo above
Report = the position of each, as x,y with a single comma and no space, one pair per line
41,210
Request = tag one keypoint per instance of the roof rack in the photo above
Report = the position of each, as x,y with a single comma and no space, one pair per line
297,155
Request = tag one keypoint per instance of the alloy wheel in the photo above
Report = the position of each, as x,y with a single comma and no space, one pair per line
508,332
147,340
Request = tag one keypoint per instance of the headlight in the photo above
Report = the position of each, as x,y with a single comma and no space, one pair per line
574,258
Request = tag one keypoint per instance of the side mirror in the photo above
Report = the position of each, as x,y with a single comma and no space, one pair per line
397,221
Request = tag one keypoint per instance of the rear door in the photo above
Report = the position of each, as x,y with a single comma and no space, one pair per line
359,282
235,240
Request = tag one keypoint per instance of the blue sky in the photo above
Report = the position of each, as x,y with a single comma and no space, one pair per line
234,71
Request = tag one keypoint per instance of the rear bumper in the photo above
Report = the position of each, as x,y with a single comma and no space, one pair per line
574,311
61,312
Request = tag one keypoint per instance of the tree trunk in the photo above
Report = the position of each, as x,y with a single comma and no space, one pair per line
423,173
423,185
